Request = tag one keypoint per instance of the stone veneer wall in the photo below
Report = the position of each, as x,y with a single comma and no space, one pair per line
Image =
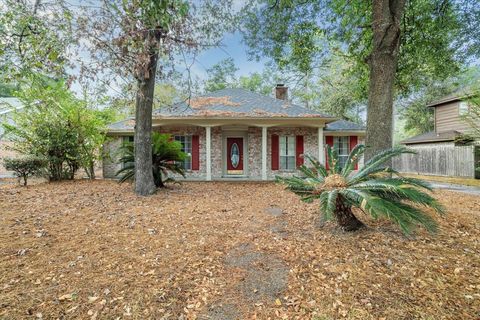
111,154
254,146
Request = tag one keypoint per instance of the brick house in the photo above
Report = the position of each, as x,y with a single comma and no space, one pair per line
234,133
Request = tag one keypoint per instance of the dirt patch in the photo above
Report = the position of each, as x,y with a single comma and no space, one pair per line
274,211
222,312
94,250
265,274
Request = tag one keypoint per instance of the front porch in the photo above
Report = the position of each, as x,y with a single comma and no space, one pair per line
233,152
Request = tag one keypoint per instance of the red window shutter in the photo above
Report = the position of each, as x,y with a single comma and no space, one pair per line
275,154
195,152
353,143
328,141
299,150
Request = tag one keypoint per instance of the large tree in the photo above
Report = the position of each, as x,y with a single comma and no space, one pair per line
141,40
395,44
35,37
221,75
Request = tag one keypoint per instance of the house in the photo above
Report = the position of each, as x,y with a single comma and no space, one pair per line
7,107
442,151
235,133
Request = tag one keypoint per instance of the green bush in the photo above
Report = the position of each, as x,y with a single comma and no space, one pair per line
24,167
66,131
375,189
167,156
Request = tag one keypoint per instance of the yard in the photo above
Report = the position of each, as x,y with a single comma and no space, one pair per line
224,251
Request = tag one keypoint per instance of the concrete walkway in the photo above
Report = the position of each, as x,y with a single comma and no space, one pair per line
456,187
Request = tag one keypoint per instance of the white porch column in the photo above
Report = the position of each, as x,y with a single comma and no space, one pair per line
264,153
321,150
208,138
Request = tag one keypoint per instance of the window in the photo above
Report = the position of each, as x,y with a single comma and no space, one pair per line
128,139
186,142
341,145
287,153
463,108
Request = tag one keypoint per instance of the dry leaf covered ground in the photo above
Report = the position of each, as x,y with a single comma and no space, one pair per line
224,251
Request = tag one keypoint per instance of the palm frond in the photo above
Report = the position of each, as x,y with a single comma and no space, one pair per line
398,189
373,173
328,201
405,215
167,156
353,159
382,157
317,166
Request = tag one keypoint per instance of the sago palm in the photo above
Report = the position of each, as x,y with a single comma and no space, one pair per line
375,189
167,156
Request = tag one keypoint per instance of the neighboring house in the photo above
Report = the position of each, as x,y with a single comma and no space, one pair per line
442,152
234,133
7,107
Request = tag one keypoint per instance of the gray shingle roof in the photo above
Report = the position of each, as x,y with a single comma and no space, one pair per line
432,137
237,103
7,106
124,125
344,125
459,94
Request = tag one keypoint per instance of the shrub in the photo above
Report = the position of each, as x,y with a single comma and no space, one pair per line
375,189
167,156
24,167
57,126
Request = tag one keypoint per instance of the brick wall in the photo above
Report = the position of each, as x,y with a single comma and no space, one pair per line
254,148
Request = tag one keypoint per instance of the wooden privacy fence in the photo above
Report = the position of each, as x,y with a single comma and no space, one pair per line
438,160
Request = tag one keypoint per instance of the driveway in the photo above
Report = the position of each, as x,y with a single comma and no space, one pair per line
456,187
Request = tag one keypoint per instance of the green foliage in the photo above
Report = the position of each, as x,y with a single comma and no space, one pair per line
413,110
7,89
57,126
437,37
34,38
375,189
473,116
25,167
257,82
221,75
167,156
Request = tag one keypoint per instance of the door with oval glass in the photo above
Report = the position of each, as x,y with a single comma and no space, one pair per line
234,156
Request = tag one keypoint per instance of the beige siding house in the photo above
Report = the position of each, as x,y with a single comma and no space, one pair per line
439,152
237,134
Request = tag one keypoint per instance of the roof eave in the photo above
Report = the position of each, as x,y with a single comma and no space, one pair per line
427,141
329,119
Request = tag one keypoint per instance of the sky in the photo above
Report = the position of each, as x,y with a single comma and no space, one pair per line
232,47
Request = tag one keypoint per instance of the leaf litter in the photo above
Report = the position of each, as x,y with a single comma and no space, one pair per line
94,250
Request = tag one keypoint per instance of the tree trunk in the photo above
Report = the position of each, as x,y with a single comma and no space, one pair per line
345,217
144,184
387,15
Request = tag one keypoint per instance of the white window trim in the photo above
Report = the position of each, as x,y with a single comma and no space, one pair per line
463,108
347,151
189,159
287,155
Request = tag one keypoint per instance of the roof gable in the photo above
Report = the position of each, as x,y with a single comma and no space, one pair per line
237,103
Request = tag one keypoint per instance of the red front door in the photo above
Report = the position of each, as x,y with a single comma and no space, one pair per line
234,155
